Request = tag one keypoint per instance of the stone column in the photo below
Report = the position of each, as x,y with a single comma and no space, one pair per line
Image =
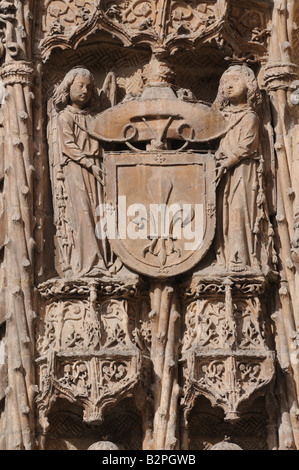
19,254
280,72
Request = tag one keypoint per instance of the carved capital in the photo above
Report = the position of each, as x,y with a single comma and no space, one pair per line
202,287
17,72
280,75
158,72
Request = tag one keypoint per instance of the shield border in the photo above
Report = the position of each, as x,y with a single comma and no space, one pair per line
113,160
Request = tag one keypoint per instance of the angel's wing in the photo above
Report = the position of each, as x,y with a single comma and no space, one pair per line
108,92
54,152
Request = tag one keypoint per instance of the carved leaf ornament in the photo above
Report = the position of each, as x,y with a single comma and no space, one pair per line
159,23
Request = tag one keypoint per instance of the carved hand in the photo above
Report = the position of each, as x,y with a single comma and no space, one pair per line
221,169
98,173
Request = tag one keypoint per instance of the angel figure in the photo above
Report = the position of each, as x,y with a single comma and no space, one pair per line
239,173
77,175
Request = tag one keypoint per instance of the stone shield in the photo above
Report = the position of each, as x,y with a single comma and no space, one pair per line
160,209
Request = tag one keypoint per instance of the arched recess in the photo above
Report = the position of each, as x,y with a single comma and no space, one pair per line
208,427
67,431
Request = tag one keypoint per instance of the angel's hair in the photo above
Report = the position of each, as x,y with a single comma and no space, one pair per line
253,92
61,96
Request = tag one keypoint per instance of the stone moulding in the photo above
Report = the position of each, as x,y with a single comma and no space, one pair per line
84,286
247,285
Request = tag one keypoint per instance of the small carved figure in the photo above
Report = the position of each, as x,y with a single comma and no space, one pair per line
77,100
68,379
238,171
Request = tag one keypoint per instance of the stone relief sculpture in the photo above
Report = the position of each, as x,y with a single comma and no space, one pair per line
80,176
91,327
241,201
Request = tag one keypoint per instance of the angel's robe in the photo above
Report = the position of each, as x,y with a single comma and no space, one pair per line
84,193
237,212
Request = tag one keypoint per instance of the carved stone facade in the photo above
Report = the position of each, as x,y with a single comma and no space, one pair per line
150,225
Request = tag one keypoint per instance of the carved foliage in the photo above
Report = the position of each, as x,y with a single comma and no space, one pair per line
97,381
215,288
249,324
207,325
229,381
69,326
88,352
75,377
153,21
251,24
226,352
115,320
183,17
62,16
244,32
142,333
75,326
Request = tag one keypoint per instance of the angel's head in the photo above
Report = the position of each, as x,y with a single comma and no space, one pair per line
238,86
77,89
